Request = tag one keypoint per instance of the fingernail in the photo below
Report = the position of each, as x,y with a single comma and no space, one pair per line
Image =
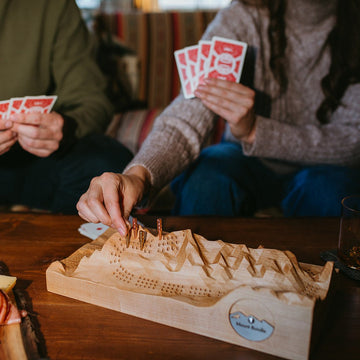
122,230
8,124
207,81
198,93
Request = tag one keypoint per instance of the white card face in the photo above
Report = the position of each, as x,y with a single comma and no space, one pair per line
183,70
226,59
92,230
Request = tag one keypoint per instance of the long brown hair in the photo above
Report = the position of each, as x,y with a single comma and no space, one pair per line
343,42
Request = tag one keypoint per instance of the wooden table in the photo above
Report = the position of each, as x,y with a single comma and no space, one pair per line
71,329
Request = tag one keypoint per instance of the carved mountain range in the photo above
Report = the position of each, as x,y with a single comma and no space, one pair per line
190,268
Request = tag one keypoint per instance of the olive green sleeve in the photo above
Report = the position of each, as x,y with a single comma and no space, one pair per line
79,84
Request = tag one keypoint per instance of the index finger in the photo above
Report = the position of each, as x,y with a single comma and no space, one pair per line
113,207
227,85
5,124
32,118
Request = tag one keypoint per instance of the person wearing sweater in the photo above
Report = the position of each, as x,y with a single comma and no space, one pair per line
293,123
48,160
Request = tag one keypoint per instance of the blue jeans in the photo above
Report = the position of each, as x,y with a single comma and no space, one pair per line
223,181
55,183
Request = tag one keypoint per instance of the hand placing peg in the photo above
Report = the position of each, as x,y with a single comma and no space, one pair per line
159,228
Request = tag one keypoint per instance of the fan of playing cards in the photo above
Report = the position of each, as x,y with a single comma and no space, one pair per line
19,105
219,58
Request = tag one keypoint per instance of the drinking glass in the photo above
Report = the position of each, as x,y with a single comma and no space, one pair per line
349,235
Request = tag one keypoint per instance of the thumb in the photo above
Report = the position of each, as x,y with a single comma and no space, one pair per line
6,124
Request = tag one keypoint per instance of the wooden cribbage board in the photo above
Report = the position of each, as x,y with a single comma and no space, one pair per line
258,298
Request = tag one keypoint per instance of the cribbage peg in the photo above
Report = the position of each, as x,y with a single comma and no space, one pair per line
142,238
128,233
159,228
127,239
135,227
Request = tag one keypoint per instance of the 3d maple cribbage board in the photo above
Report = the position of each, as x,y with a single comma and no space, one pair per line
258,298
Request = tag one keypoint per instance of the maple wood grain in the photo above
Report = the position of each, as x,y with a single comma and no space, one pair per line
71,329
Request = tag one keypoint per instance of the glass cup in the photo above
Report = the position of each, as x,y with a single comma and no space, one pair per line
349,235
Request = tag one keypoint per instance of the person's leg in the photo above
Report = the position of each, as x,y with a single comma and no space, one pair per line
223,181
13,165
67,177
318,190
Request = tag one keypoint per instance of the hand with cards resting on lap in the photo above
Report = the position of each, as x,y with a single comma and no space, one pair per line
39,134
7,136
29,121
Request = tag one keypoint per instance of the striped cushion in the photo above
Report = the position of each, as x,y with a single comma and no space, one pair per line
132,127
154,37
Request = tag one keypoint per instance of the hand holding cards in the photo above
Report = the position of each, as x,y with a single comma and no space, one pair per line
30,122
23,105
219,58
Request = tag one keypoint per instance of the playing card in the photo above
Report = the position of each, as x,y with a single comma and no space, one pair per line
92,231
42,104
4,107
203,60
15,105
191,54
184,75
226,59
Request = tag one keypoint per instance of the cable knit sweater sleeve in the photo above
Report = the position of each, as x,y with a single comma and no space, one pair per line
336,143
290,134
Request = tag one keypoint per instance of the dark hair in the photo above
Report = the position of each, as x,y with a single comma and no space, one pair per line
344,44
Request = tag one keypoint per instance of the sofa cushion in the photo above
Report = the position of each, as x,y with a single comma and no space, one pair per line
152,37
132,127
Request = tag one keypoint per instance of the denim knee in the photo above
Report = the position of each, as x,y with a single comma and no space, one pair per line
318,190
211,186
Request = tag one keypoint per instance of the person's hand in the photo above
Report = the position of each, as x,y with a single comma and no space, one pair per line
111,197
39,134
233,102
7,136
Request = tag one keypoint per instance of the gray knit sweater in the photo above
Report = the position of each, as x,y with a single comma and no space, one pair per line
288,134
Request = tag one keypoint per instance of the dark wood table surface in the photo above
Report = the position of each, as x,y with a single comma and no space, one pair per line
70,329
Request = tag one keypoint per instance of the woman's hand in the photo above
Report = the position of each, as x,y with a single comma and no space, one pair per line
111,197
233,102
